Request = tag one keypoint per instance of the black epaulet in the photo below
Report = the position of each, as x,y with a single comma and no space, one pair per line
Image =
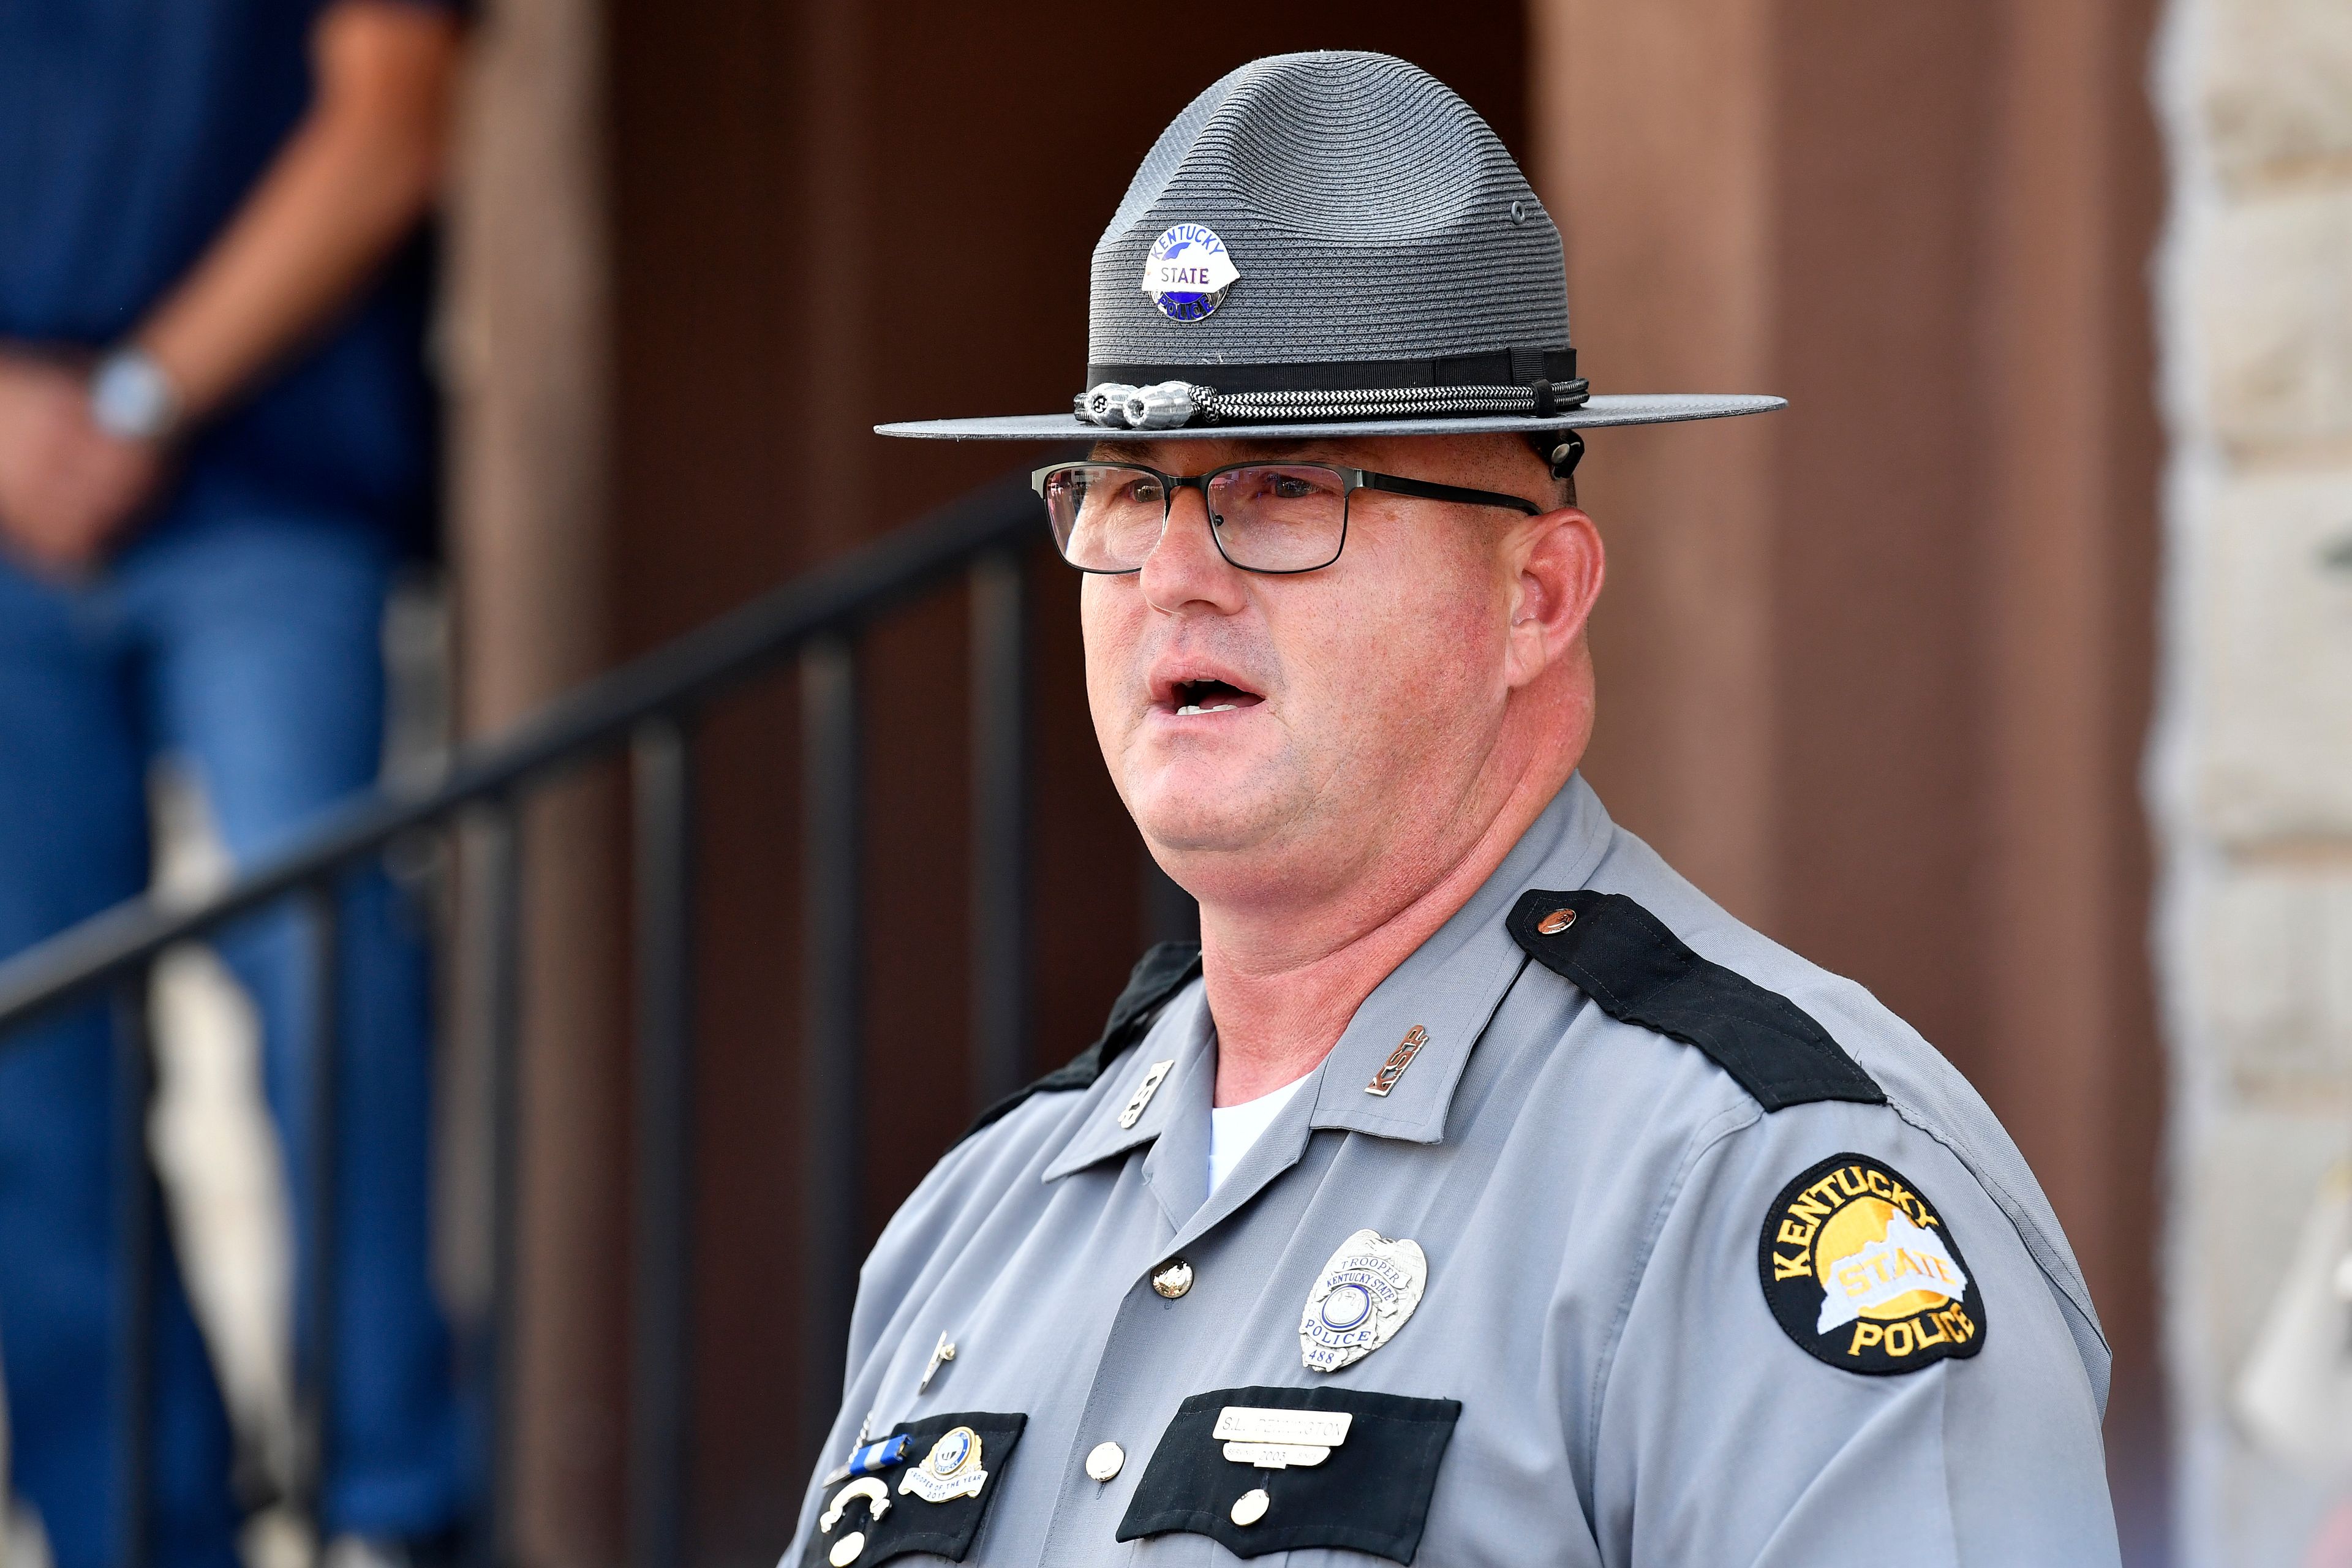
1158,975
1638,971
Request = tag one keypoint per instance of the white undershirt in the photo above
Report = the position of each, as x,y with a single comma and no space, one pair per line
1232,1129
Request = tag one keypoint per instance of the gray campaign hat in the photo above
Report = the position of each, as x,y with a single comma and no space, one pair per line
1330,244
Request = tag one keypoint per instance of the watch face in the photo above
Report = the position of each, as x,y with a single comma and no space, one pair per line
131,397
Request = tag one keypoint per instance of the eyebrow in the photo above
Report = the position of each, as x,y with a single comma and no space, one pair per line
1273,450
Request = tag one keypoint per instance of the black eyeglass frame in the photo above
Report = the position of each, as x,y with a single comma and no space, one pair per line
1355,479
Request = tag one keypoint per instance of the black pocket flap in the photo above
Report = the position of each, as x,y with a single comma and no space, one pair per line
906,1521
1370,1495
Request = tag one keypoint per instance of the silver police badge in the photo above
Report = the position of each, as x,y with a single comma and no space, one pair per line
1368,1290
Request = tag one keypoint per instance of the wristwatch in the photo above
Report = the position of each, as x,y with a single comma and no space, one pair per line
131,398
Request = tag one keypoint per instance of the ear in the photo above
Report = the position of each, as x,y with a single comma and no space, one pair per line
1557,565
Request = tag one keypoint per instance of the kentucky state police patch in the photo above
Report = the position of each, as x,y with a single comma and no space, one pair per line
1861,1270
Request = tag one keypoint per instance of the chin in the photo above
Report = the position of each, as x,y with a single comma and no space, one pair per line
1190,809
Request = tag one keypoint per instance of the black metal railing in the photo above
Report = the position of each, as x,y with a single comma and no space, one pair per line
651,707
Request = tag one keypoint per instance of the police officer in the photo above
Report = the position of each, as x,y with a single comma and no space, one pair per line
1478,1192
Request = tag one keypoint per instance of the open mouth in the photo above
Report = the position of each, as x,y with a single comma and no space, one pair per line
1200,697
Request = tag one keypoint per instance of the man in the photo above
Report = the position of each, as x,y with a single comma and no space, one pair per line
215,450
1478,1192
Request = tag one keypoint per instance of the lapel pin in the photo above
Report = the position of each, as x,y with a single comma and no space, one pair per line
941,1353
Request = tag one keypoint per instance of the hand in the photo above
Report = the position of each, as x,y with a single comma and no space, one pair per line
68,489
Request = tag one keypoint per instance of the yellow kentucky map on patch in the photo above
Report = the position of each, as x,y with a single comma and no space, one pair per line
1897,1270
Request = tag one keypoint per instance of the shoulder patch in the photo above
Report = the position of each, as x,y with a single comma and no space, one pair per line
1861,1271
1163,970
1638,971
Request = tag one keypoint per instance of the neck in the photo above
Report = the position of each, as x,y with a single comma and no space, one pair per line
1284,977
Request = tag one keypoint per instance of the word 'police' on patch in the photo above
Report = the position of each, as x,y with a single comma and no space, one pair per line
1189,273
1861,1270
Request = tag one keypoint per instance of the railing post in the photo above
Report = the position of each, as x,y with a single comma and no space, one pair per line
1000,827
320,912
661,1402
138,1241
498,972
832,1100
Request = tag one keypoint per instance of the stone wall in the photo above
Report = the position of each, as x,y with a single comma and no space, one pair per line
2251,775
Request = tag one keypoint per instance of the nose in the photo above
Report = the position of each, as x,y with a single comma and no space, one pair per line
1185,566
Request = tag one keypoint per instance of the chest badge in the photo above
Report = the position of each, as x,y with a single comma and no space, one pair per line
952,1470
1365,1294
1861,1270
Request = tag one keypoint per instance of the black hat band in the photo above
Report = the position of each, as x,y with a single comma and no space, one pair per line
1538,383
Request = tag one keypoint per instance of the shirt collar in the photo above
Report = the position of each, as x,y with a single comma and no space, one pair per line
1181,1034
1453,982
1448,988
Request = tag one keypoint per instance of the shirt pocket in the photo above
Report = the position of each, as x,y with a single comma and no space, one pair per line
934,1499
1369,1493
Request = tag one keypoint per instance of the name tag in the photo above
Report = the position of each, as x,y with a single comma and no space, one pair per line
1276,1456
1308,1428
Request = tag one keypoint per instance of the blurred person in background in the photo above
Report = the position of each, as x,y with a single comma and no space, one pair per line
215,451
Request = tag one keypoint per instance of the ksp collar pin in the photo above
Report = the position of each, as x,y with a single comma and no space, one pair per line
1385,1078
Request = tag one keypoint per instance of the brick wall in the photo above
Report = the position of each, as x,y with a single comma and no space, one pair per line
2252,771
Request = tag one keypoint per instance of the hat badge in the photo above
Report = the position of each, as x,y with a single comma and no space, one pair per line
1188,272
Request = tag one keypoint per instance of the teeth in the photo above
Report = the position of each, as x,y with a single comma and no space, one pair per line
1221,707
1188,709
1192,709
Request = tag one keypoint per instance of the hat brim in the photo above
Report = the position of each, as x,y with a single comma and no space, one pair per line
1661,409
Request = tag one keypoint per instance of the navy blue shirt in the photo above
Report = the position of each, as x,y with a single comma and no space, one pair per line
129,132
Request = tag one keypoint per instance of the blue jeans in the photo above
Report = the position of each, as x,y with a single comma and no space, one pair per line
248,645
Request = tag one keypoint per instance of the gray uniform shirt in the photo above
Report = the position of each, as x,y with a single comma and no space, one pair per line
1599,1207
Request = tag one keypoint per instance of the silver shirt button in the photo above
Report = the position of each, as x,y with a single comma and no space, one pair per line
1173,1280
1250,1507
1104,1462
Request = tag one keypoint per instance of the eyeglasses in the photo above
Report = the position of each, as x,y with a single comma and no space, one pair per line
1275,518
